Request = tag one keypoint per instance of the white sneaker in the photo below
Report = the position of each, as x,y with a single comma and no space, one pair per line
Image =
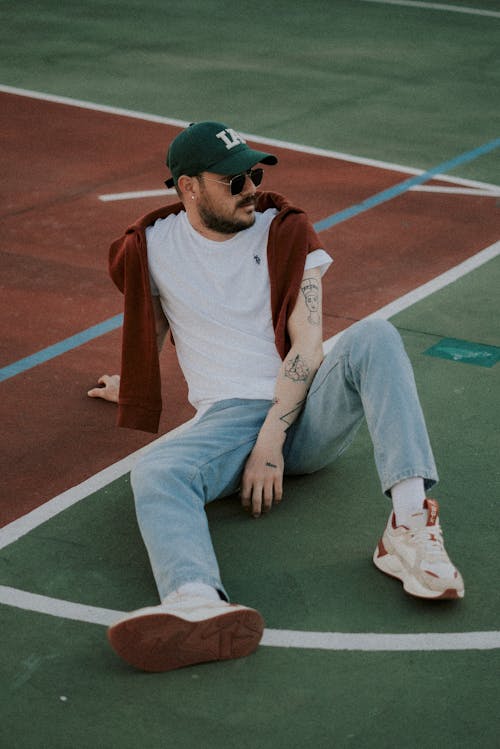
417,556
185,631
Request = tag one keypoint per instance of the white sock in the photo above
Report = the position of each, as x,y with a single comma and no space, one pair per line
407,500
197,589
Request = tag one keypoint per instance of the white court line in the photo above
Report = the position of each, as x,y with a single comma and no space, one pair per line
138,194
437,283
456,190
278,638
23,525
68,101
426,289
439,6
490,193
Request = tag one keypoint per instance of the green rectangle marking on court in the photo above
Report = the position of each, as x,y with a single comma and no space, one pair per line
465,352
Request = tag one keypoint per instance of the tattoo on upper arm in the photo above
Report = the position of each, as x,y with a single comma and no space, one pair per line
310,289
296,369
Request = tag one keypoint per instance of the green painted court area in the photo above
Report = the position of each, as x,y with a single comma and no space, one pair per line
307,567
276,698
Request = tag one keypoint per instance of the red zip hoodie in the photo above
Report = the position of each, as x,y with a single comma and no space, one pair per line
291,238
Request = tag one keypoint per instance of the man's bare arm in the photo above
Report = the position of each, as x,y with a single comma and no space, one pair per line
109,385
262,481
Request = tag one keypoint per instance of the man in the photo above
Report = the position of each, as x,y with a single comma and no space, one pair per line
235,275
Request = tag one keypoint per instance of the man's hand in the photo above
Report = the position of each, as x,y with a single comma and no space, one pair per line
262,482
108,390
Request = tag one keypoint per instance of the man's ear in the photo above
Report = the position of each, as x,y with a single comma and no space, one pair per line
187,185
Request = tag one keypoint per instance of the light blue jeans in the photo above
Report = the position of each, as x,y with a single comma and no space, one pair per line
367,374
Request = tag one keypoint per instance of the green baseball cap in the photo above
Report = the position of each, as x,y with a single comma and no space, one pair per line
211,147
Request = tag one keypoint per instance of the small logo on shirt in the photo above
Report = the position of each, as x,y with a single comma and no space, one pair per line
257,259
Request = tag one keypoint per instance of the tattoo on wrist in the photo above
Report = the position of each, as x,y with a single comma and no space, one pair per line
310,289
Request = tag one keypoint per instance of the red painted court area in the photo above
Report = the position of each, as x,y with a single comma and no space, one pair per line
55,237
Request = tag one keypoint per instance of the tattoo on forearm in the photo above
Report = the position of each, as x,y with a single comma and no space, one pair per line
290,417
296,369
310,289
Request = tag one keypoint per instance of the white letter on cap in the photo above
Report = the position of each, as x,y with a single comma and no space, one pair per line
230,137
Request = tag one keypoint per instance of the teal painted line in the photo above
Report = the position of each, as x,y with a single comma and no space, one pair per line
60,348
402,187
97,330
465,352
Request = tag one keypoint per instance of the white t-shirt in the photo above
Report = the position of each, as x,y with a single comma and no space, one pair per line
216,298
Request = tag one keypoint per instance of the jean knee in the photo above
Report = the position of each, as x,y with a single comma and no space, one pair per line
378,336
373,342
140,477
377,330
156,470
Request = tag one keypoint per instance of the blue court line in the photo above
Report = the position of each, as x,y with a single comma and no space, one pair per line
336,218
402,187
60,348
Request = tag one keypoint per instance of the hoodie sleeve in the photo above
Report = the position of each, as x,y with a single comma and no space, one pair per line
140,403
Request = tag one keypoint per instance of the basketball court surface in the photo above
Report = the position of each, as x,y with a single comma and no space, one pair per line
347,659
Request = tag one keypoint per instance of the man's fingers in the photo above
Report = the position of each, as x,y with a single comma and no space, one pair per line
251,497
260,498
108,390
267,496
278,490
245,501
257,501
246,494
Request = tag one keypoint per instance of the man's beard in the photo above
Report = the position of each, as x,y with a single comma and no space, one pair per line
223,225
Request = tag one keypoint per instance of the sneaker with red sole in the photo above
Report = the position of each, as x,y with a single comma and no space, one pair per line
417,556
185,631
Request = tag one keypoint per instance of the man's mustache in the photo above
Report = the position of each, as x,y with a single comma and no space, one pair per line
247,201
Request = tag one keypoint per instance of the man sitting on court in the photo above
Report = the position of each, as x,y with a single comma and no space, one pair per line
235,275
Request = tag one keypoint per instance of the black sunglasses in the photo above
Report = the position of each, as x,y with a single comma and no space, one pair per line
237,183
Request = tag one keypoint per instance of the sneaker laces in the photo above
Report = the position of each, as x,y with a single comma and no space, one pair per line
430,540
434,559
